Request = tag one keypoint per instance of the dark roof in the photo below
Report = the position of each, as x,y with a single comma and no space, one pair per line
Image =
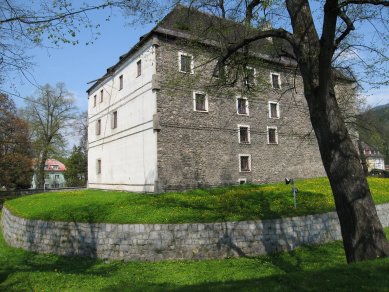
190,23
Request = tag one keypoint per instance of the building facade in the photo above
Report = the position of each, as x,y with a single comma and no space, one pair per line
374,159
163,118
54,175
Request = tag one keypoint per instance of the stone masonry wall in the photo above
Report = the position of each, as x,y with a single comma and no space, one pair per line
201,149
153,242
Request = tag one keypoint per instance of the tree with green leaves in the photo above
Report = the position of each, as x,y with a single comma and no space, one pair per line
49,114
76,168
15,147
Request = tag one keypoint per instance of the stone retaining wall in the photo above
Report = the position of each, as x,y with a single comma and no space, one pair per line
153,242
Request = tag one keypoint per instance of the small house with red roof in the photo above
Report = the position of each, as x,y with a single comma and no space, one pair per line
54,175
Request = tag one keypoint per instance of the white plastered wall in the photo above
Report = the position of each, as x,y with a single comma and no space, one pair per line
128,153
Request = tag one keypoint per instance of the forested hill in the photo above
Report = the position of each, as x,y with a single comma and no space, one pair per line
373,127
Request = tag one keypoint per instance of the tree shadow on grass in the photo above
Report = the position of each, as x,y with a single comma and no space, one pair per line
370,276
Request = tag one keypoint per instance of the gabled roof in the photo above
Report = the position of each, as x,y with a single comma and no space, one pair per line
189,23
54,165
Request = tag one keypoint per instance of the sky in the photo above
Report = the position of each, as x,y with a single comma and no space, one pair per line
80,64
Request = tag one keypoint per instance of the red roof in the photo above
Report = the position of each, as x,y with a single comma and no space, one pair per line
53,164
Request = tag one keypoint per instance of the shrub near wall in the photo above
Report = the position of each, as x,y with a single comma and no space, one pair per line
153,242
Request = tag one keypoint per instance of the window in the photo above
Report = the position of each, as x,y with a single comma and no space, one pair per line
272,135
120,82
56,176
185,63
274,109
242,181
98,166
244,134
47,176
101,95
244,162
275,80
114,120
98,127
249,78
138,68
94,100
242,106
200,102
55,167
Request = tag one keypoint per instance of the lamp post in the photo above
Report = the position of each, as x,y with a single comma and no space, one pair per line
294,190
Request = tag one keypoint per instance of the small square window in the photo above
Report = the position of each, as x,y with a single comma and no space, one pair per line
272,135
120,82
244,134
185,63
98,127
244,162
242,181
275,80
114,120
94,100
139,68
101,95
274,109
200,101
98,166
242,106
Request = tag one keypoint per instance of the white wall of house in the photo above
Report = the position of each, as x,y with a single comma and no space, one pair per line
128,153
375,163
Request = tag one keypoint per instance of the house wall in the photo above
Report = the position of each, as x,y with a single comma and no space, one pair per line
202,148
128,153
375,163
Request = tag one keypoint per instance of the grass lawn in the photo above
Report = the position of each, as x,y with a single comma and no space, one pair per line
311,268
246,202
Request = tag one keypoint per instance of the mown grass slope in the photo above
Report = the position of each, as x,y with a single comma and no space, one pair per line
246,202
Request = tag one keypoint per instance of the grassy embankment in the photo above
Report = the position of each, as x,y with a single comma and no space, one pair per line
247,202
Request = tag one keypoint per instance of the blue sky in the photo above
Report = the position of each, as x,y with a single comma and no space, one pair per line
80,64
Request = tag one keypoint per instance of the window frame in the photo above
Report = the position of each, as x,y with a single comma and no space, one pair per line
191,64
268,135
98,127
98,166
277,109
246,80
279,80
101,95
114,119
247,106
95,100
194,101
121,82
248,134
242,179
240,162
139,68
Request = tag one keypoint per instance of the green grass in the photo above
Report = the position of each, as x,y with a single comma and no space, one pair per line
246,202
311,268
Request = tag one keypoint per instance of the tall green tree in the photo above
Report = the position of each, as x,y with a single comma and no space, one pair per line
15,147
76,168
50,113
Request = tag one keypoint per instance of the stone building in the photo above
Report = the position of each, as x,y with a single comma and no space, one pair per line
166,117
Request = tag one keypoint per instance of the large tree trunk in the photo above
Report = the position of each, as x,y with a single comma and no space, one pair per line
362,232
40,172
